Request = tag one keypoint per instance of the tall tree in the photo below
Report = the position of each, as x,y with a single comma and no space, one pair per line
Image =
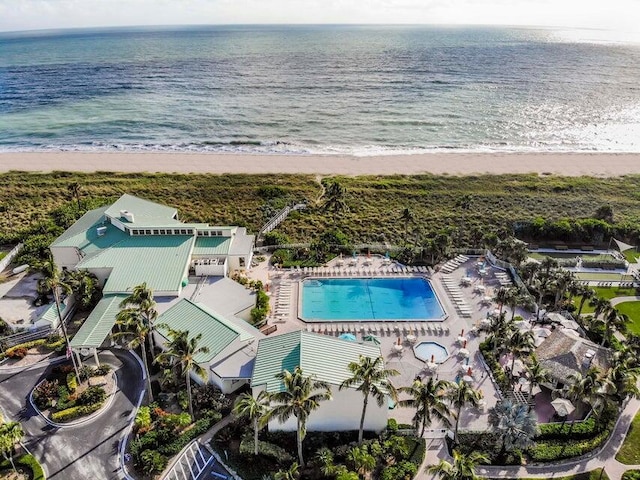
513,298
300,396
623,374
133,326
334,198
141,302
181,352
586,294
463,466
10,434
429,401
85,287
536,374
253,408
407,219
515,424
519,343
370,378
460,395
613,320
501,297
54,283
289,474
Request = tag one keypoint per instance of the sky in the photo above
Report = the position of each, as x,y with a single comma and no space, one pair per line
617,15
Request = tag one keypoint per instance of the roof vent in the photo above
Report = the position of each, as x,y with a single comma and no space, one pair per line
127,215
101,231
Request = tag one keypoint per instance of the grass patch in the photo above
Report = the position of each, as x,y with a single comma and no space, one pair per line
632,310
605,292
629,454
631,255
28,462
603,277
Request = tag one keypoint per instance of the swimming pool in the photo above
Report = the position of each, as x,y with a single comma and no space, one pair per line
431,352
368,299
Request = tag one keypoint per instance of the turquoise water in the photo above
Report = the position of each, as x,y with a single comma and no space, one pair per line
359,90
368,299
425,350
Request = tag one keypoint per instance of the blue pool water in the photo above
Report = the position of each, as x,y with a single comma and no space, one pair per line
367,299
425,350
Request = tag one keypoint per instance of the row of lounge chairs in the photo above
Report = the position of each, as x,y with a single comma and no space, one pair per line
456,295
283,300
342,271
504,279
373,328
454,263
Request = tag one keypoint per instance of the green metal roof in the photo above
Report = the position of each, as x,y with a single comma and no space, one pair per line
50,314
99,323
217,332
142,210
325,357
212,246
161,261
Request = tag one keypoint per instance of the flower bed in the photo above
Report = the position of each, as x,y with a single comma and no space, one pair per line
27,462
62,398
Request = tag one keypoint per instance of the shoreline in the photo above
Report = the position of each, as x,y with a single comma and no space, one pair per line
595,164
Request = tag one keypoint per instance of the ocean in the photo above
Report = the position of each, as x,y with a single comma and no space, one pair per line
360,90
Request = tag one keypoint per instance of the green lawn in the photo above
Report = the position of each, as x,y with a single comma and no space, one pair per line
631,310
629,454
599,257
596,474
631,255
603,277
604,292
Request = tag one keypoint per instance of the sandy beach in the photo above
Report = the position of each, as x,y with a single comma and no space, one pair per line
568,164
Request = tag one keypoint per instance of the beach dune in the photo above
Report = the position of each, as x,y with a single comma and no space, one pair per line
568,164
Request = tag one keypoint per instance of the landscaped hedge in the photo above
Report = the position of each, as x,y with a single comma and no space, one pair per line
551,450
579,430
75,412
27,461
199,427
9,352
631,475
499,375
267,449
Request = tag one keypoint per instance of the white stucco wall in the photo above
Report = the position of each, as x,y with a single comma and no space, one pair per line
341,413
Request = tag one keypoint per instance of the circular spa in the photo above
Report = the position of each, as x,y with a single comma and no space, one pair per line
431,352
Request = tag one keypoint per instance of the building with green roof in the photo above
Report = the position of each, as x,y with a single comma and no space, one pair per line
327,359
231,342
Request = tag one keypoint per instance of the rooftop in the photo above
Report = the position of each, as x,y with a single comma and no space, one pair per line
99,323
564,353
325,357
144,211
229,297
161,261
207,246
217,331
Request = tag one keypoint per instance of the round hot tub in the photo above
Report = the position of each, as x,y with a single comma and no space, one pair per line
426,351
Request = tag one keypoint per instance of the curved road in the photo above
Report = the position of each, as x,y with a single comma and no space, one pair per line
87,451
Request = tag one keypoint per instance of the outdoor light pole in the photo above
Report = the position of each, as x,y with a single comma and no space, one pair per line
56,296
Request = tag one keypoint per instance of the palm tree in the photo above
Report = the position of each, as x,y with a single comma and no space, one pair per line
85,287
462,468
519,343
290,474
429,401
10,434
407,218
613,320
74,190
363,462
372,379
252,408
334,198
499,330
564,280
132,324
586,294
181,351
55,284
142,302
501,297
593,388
299,397
623,374
460,395
536,374
514,423
513,298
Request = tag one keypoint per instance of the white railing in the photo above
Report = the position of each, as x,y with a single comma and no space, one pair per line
4,263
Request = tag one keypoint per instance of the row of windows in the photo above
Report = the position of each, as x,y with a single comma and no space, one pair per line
175,231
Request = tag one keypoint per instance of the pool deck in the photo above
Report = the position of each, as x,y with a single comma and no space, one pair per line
283,285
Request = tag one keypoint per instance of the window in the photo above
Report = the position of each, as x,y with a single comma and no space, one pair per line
219,233
242,262
147,232
155,232
183,231
163,231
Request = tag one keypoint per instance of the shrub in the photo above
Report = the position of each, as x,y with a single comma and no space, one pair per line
631,475
92,395
400,471
142,421
26,346
189,434
26,461
72,382
210,397
85,372
54,341
44,393
392,425
101,370
552,450
267,449
75,412
64,400
276,238
17,352
152,461
183,399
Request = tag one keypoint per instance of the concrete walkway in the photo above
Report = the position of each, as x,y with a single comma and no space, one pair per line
604,456
615,301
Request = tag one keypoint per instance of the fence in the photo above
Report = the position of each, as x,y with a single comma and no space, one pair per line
4,263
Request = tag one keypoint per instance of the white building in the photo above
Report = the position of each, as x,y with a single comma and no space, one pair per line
327,359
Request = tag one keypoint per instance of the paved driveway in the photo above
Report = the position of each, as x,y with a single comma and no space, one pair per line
88,451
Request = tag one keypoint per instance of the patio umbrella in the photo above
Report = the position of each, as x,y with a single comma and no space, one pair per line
468,379
348,336
542,332
562,406
463,352
372,339
570,324
523,325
